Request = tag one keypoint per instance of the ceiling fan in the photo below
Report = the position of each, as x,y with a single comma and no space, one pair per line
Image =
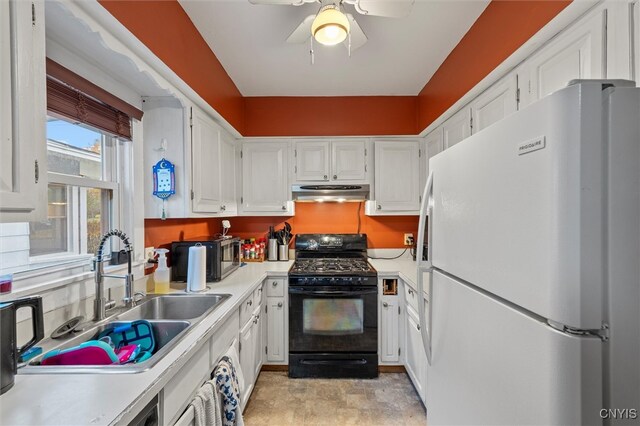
331,25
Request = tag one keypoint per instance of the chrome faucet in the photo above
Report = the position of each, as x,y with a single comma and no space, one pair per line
101,304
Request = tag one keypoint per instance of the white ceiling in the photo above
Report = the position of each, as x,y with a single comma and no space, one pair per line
399,58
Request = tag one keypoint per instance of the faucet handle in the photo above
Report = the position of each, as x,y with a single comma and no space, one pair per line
139,294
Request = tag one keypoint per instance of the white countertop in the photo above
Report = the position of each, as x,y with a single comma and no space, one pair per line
101,399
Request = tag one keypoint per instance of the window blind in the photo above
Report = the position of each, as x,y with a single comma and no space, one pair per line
71,96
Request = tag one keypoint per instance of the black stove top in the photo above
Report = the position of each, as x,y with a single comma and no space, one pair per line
332,266
332,259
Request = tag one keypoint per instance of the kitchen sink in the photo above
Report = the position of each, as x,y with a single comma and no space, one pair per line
178,307
171,317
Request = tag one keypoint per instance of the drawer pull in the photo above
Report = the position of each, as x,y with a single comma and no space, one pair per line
279,304
385,304
275,283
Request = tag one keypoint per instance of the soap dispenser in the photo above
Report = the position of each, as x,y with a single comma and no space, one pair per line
161,275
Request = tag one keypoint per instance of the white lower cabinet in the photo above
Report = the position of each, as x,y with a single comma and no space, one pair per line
415,357
389,346
277,327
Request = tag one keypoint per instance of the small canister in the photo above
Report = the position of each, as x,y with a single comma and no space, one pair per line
272,250
283,252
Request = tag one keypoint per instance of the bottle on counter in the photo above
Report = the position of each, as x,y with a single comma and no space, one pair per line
161,276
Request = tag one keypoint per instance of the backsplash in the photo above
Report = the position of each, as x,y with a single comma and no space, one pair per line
382,231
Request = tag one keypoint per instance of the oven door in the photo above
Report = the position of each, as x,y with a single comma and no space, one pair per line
333,319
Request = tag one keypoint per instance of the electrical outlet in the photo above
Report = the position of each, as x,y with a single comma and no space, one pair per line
149,253
408,239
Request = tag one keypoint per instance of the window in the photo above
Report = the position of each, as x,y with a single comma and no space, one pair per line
81,189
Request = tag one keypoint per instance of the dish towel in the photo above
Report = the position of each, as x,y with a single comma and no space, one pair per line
226,382
232,354
206,406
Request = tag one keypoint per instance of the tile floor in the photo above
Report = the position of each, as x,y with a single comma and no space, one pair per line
388,400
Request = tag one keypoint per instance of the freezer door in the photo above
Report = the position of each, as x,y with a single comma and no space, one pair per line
492,364
518,208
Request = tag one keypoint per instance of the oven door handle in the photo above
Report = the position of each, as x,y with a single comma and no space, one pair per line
372,290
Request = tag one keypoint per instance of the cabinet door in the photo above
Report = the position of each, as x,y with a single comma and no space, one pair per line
396,176
416,359
389,330
577,53
23,147
495,103
275,329
228,175
264,177
348,160
312,160
257,344
432,146
247,354
456,128
205,156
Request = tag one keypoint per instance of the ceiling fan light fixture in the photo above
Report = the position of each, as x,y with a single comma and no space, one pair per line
330,26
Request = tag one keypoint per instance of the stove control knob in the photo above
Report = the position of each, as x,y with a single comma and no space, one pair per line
332,280
304,280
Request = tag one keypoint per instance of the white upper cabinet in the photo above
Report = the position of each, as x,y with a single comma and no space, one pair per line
495,103
330,160
348,160
576,53
265,187
457,127
312,160
396,181
432,146
228,175
205,157
23,148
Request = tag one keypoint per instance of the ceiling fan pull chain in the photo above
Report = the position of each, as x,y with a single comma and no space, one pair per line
311,51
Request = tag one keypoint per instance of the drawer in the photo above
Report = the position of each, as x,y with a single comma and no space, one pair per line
411,297
257,296
246,310
275,287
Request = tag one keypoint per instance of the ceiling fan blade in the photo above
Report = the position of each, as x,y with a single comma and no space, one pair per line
358,38
282,2
385,8
302,32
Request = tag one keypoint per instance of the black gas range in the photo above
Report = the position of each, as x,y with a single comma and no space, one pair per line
333,312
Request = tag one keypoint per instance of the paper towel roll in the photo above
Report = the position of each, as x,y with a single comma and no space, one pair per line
197,268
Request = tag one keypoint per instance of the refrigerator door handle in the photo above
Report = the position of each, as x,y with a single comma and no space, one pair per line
425,266
427,198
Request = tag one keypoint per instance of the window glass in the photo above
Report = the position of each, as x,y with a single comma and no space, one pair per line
73,149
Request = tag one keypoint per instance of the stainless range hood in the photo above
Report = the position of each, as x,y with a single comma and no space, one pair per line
335,193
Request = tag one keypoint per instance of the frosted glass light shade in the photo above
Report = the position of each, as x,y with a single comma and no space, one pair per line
330,26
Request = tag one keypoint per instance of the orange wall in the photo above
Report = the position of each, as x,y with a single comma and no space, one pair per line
330,116
165,28
499,31
382,232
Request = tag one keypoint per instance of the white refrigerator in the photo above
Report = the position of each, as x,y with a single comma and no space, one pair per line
532,268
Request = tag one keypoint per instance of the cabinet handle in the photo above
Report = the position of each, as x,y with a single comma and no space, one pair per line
385,304
379,207
284,207
250,302
279,304
418,326
275,283
335,177
410,292
326,177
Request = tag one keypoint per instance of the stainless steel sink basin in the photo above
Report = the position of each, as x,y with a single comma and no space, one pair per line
171,317
178,307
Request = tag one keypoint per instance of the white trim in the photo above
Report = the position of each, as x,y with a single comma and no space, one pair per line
81,182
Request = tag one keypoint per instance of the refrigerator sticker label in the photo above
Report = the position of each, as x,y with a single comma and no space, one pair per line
531,145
